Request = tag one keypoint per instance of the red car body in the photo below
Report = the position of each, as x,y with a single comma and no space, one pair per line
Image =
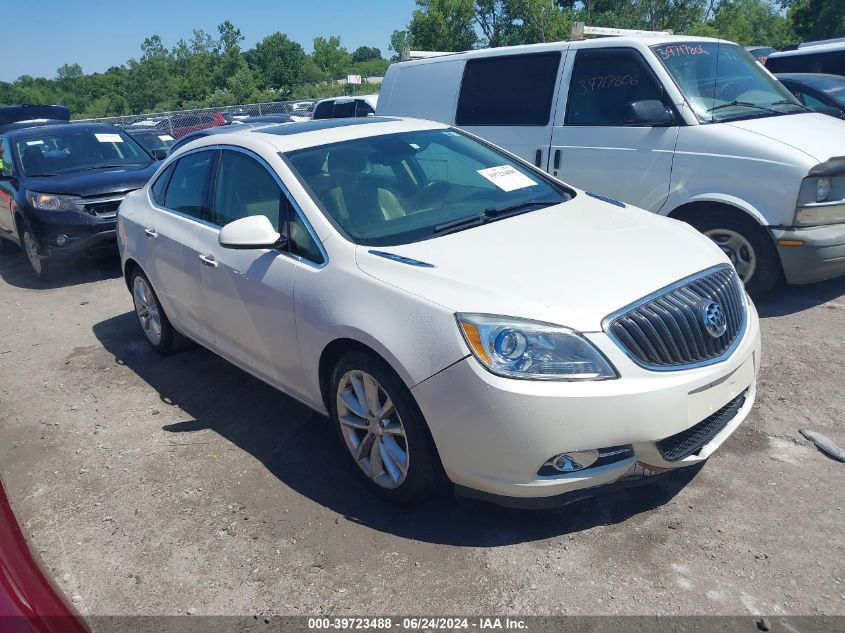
179,125
29,603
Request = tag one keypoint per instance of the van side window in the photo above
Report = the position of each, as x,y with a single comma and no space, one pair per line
508,90
604,82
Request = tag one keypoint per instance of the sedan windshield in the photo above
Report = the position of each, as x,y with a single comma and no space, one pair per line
723,82
50,153
832,85
398,188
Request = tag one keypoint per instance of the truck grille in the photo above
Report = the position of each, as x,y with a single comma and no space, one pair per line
694,322
688,442
104,206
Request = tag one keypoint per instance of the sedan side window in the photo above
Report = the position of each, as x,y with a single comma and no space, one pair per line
188,186
244,187
604,82
160,185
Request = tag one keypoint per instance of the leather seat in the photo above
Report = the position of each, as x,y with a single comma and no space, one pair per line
355,197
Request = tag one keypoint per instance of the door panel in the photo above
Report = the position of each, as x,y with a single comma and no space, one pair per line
7,189
593,142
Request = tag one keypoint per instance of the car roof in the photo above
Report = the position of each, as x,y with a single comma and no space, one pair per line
62,127
809,78
601,42
287,137
810,50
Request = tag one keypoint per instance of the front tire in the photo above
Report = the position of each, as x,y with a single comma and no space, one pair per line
383,431
151,316
746,244
41,268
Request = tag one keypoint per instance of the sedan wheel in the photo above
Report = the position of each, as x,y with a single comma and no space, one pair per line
372,429
381,427
146,306
151,315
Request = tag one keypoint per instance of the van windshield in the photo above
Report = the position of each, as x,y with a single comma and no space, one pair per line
723,82
398,188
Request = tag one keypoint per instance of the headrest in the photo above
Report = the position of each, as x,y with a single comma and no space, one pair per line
347,160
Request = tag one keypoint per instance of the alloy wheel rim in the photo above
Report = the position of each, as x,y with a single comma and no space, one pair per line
32,252
738,249
372,429
146,307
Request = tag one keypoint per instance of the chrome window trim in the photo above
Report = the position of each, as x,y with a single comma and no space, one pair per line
740,334
297,209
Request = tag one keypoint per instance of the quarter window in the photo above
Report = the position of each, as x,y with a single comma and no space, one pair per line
188,186
604,82
510,90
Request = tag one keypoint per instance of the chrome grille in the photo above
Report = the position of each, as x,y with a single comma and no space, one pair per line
102,206
669,330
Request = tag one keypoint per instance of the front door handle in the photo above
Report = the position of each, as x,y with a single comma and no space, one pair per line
538,157
208,260
151,232
557,159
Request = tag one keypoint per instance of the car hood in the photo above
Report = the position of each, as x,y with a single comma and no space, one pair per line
571,264
95,182
819,136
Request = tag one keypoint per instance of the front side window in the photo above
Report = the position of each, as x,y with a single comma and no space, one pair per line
509,90
722,82
59,152
244,187
188,186
604,84
160,185
399,188
6,165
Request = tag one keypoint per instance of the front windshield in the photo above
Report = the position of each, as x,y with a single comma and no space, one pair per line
48,153
722,82
398,188
154,141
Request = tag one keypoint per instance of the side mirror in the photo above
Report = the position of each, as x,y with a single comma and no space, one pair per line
254,231
649,112
159,153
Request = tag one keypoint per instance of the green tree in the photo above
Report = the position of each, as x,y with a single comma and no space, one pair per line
399,40
817,19
330,56
366,53
277,62
443,25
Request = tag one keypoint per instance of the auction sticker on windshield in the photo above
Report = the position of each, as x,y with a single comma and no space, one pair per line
506,178
109,138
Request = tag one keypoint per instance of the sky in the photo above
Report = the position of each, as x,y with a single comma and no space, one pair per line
98,34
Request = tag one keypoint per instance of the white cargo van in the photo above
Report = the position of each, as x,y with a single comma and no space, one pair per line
693,128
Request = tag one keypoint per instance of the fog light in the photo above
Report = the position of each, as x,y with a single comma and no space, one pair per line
61,240
571,462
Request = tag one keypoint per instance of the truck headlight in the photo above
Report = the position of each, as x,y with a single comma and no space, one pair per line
51,201
519,348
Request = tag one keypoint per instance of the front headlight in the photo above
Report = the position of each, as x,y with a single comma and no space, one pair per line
822,189
519,348
51,201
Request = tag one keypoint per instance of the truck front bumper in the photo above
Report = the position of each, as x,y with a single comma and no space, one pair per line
810,254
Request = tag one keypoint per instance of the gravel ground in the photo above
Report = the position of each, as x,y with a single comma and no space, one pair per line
154,485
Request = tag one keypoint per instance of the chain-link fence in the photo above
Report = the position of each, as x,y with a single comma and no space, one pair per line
181,122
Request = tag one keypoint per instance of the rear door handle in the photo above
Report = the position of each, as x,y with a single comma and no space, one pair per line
208,260
557,159
151,232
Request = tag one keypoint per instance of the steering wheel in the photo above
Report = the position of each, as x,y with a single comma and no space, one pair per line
431,188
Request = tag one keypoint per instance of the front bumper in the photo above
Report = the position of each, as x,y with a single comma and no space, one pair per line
820,255
493,434
85,233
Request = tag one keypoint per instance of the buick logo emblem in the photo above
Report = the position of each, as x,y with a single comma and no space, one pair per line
713,319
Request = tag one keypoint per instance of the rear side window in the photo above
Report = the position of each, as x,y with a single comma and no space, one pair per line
343,109
604,83
324,110
363,108
511,90
188,186
160,185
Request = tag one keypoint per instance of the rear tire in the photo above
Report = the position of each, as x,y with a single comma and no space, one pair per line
151,316
747,245
382,430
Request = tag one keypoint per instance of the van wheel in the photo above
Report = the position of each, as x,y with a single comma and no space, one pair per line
154,322
746,244
383,431
41,268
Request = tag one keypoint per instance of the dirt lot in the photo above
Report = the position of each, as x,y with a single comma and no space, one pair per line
155,485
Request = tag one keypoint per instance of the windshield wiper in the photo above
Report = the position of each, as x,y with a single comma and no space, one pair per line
488,215
93,167
792,103
744,104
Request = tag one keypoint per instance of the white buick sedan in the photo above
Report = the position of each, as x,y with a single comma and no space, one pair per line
459,315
